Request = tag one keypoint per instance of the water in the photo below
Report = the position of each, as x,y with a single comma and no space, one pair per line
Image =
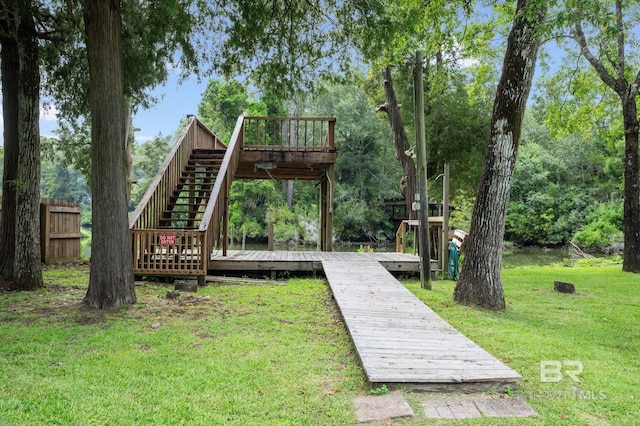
533,256
511,257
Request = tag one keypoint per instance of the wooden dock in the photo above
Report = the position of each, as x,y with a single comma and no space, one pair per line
401,342
305,261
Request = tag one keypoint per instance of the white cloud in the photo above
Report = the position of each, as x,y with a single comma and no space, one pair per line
143,138
48,113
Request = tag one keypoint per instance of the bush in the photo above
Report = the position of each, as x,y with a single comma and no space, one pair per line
603,227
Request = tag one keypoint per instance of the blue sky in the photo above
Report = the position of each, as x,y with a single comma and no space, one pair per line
175,102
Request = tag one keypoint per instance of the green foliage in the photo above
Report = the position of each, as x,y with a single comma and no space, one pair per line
284,46
603,227
221,105
233,355
147,159
557,183
285,224
381,390
366,171
249,202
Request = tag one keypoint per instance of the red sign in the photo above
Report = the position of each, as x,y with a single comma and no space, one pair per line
167,239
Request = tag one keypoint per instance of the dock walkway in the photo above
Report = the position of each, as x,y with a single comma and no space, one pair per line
402,342
258,261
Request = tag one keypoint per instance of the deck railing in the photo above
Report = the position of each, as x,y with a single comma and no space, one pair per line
215,221
170,251
292,132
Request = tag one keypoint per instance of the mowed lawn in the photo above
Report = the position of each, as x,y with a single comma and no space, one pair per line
280,354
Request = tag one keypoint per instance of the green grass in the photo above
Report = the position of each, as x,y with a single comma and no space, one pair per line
598,327
243,354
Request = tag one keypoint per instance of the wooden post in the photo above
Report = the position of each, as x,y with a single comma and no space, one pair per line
45,232
270,236
326,210
421,150
445,220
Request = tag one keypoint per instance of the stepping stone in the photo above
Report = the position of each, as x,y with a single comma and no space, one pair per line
504,407
451,409
473,408
381,408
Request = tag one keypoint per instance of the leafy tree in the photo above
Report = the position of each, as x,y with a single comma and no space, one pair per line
221,105
603,228
148,158
594,28
480,283
20,267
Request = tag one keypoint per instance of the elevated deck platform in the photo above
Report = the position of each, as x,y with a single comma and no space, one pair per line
402,342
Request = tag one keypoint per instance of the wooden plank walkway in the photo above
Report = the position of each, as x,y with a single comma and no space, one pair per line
402,342
306,261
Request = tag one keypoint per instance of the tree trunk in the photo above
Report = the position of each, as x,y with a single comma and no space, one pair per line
111,283
631,255
400,142
20,267
480,283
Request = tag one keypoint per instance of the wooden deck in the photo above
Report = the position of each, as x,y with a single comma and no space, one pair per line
306,261
401,342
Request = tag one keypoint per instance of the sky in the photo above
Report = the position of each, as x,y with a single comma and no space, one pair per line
176,100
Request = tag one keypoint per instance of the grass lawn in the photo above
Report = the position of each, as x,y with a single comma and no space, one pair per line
272,354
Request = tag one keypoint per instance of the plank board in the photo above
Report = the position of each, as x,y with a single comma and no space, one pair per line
402,342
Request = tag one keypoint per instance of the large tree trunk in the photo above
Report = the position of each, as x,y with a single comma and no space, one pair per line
631,255
111,283
400,142
20,267
481,279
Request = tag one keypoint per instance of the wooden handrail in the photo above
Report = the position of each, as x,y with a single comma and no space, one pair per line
216,210
149,210
298,132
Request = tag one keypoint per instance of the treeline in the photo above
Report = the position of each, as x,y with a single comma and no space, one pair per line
566,188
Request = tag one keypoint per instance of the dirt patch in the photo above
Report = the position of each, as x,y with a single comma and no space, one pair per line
63,303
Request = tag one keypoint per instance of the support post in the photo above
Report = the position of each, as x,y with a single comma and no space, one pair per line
421,151
445,221
326,210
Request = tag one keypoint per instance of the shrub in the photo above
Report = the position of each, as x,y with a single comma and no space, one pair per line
603,227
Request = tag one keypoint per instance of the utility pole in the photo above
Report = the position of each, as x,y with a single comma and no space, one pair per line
421,151
444,254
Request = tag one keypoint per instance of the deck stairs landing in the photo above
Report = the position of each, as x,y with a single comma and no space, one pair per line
188,202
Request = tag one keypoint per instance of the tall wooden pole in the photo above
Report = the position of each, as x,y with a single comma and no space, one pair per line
445,221
421,151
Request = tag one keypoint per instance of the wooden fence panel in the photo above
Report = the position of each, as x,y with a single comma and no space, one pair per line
59,230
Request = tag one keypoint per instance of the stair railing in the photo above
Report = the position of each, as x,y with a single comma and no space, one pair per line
149,210
215,220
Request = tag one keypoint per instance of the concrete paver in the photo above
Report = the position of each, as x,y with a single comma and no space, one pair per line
381,408
456,408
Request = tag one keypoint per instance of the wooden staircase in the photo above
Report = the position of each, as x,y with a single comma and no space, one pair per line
184,214
189,199
185,210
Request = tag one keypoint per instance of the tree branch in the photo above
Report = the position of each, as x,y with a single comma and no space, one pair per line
595,62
